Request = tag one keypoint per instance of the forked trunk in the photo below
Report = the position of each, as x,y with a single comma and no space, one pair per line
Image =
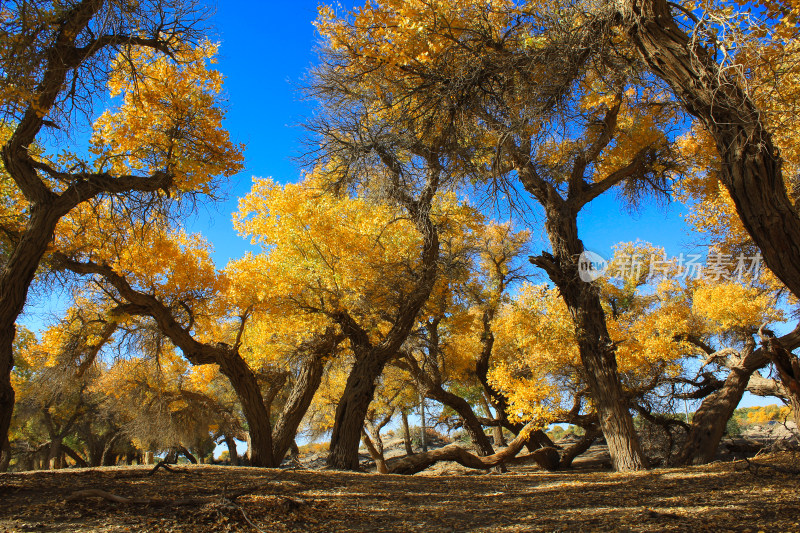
302,393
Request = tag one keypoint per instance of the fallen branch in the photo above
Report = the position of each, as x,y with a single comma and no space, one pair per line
97,493
547,458
754,468
165,466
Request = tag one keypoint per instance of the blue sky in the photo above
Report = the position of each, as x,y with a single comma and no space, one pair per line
266,48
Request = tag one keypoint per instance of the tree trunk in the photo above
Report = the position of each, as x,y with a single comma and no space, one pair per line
186,453
709,422
375,451
464,409
233,455
79,461
352,408
15,280
578,448
750,163
406,433
5,456
411,464
6,390
594,343
711,419
54,454
245,383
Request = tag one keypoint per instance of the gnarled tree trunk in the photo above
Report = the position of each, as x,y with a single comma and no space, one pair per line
709,422
411,464
305,386
750,163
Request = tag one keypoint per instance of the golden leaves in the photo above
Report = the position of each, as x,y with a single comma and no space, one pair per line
169,119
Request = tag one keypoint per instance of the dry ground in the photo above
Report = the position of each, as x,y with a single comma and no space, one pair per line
718,497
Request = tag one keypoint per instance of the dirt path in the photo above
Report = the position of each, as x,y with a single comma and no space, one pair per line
712,498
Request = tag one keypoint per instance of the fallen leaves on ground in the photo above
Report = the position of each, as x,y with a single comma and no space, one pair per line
717,497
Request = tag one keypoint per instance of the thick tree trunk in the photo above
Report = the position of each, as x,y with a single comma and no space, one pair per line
6,390
5,456
55,453
15,280
709,422
750,163
711,419
594,342
245,383
352,408
406,433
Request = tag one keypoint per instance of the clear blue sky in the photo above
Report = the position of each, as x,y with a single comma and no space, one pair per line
266,50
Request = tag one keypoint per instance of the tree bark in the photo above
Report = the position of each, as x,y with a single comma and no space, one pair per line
375,451
6,392
317,351
248,390
464,409
79,461
750,163
233,455
585,442
709,422
5,456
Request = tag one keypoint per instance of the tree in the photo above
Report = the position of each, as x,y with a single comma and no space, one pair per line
363,264
164,140
168,278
